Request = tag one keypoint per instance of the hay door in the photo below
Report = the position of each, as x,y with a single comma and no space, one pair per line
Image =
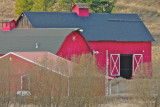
137,63
115,64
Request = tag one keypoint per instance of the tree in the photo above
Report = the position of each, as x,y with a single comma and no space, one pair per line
101,6
43,5
23,5
33,5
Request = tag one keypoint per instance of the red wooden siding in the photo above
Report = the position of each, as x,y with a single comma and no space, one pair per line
7,26
18,67
73,44
143,48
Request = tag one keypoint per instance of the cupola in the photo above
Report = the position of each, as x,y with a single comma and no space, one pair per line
8,24
82,9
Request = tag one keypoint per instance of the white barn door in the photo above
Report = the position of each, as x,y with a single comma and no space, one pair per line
115,64
137,63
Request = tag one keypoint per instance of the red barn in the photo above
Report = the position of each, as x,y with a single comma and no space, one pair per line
120,42
8,24
21,65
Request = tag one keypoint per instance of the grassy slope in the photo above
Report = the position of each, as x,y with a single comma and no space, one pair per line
7,9
148,10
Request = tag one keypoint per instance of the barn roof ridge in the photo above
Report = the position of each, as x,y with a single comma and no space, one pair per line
74,13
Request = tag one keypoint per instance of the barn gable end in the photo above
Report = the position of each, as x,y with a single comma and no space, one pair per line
23,22
74,44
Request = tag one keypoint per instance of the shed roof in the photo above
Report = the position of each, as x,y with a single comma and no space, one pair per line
96,27
23,40
82,5
39,57
7,20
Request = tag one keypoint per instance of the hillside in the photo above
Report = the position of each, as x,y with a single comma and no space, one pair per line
7,9
148,10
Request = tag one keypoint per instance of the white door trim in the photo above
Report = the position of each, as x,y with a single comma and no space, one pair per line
114,62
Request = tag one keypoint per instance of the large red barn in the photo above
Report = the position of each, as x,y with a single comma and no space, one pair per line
120,42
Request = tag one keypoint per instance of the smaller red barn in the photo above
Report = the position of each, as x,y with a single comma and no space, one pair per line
121,43
22,68
21,65
8,24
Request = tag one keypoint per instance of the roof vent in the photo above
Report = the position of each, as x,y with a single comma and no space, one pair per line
82,9
8,24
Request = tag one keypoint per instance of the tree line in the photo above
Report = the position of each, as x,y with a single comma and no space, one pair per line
97,6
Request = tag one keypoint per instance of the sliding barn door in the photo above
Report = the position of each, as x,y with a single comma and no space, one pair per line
137,63
115,64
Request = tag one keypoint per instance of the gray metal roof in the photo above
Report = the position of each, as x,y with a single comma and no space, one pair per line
82,5
24,40
96,27
7,20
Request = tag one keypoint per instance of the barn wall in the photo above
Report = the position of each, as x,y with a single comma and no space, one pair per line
12,68
7,26
23,22
120,48
73,44
18,66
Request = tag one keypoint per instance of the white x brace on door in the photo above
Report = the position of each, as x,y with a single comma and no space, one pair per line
115,64
137,63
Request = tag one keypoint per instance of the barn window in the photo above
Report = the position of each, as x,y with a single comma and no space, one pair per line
25,86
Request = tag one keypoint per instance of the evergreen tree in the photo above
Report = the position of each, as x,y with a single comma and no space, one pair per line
23,5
